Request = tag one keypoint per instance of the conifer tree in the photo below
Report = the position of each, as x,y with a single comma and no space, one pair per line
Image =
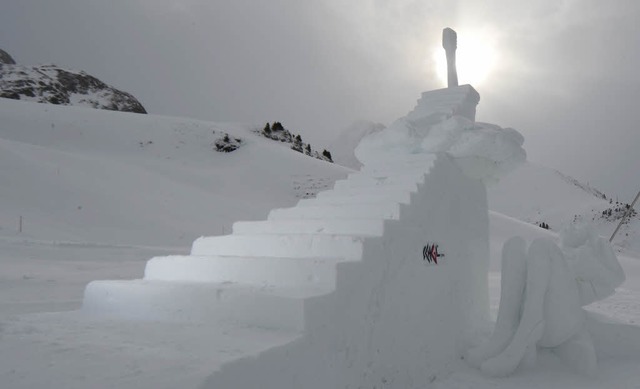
297,144
327,155
277,126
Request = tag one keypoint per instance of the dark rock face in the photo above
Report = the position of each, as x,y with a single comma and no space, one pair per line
226,144
5,58
54,85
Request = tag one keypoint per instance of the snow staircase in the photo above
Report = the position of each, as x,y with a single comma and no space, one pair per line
263,272
342,273
346,274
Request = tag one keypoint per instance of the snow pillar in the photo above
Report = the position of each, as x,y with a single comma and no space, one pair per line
450,43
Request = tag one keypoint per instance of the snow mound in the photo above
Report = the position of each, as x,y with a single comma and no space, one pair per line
444,122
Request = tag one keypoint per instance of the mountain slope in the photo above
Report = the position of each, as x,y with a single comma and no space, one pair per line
536,194
98,176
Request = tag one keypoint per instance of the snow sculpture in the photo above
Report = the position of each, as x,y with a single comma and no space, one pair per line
450,43
483,151
543,291
339,277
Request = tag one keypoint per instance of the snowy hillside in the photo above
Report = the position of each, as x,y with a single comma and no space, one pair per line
119,178
536,194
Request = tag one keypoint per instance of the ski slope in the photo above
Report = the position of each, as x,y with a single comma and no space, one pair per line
81,175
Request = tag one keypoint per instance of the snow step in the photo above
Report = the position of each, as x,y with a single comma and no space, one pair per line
259,271
282,246
358,227
399,193
369,185
402,197
225,303
355,211
388,176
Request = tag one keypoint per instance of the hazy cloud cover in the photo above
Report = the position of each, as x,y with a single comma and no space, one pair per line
566,74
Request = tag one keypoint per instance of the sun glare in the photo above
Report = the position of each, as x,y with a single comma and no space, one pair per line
476,58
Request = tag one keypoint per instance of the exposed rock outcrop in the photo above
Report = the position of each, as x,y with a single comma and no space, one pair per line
280,134
54,85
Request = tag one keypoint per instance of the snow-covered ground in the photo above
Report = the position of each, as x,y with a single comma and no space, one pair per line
99,193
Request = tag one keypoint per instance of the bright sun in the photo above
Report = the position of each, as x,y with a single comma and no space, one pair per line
476,58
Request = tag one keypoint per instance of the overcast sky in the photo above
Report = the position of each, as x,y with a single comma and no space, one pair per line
566,74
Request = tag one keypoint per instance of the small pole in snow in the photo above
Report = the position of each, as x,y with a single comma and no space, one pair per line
624,217
20,225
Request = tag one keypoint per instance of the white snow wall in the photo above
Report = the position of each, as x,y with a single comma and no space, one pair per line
394,320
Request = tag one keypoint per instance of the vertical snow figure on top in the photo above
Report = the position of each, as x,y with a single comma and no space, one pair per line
543,291
450,44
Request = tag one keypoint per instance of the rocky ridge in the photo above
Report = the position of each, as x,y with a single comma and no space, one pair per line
278,133
54,85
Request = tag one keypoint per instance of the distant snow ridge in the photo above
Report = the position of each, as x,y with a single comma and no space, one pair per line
585,187
437,125
54,85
